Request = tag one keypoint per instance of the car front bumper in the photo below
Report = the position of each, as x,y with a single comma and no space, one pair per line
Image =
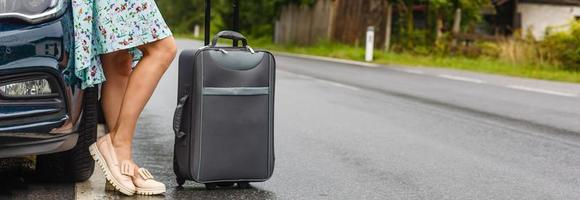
25,144
32,52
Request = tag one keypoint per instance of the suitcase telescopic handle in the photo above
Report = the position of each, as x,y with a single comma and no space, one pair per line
207,20
232,35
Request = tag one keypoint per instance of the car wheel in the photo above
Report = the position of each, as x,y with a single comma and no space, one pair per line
75,164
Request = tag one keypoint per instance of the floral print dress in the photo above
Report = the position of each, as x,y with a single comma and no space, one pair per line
105,26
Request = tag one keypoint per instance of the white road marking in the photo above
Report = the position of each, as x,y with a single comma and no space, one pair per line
412,71
304,76
340,85
451,77
329,59
530,89
460,78
94,188
336,84
297,75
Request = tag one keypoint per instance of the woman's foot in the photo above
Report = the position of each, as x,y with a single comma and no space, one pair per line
144,183
117,173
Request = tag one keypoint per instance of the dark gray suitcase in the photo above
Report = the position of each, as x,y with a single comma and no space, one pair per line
224,120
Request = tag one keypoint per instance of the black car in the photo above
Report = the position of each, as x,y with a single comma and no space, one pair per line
43,112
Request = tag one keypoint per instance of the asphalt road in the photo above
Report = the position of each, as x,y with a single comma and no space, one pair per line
351,132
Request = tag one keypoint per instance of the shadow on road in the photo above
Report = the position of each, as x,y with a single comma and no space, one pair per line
199,192
17,181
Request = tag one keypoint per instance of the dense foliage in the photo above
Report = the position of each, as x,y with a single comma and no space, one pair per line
258,15
565,47
433,38
440,19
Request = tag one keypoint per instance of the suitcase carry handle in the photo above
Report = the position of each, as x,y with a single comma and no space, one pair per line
177,116
232,35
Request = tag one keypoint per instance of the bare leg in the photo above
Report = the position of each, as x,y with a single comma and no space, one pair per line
117,67
157,57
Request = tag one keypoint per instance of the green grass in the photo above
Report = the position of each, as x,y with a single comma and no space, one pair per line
485,65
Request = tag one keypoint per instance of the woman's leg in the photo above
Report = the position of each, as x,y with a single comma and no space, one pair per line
157,57
117,67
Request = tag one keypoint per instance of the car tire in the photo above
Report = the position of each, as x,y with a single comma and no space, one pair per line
74,165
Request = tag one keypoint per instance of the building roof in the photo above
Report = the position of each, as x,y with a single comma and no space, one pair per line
553,2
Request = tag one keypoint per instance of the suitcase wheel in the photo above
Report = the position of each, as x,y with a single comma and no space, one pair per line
244,185
180,181
241,185
211,186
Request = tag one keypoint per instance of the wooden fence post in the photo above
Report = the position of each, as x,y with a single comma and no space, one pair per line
389,25
332,19
456,26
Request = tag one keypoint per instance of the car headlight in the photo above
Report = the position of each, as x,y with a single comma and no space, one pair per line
26,88
32,11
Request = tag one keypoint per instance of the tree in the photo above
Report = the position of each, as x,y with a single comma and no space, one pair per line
182,15
257,16
440,17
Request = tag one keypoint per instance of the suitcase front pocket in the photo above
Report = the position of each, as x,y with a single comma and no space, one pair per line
235,133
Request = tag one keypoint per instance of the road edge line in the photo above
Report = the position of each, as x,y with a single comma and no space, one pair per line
543,91
460,78
420,72
330,59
